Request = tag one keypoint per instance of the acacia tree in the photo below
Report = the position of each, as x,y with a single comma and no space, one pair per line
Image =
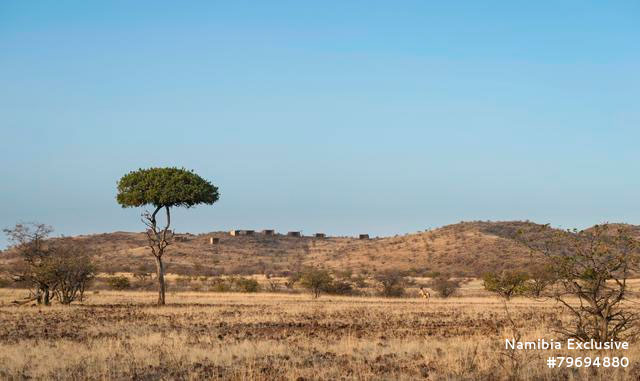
60,268
507,284
591,266
316,280
29,240
163,188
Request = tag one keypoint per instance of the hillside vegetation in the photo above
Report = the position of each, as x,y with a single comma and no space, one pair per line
463,249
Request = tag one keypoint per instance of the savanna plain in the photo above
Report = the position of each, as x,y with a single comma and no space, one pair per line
273,336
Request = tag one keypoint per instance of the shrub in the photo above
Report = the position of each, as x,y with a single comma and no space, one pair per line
540,277
392,283
119,282
445,287
316,281
183,281
220,285
360,281
73,271
4,282
246,285
506,283
340,288
61,268
292,279
591,269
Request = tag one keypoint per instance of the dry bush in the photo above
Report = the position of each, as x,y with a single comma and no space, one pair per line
392,283
444,286
594,266
234,284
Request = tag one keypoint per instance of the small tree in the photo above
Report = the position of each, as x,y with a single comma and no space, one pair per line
29,241
163,188
445,287
340,287
392,283
73,270
540,278
316,280
60,268
506,283
592,266
292,279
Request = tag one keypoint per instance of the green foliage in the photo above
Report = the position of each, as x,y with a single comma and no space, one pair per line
246,285
316,281
235,284
119,282
506,283
540,278
165,187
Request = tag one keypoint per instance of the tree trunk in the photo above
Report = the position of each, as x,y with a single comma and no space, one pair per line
160,277
46,297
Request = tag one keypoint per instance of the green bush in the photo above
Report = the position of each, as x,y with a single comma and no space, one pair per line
316,281
246,285
237,284
506,283
119,282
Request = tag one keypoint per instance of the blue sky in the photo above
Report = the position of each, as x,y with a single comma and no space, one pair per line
335,116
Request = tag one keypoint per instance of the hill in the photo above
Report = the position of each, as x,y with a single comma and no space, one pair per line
463,249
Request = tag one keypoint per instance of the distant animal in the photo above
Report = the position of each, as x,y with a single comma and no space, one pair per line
424,293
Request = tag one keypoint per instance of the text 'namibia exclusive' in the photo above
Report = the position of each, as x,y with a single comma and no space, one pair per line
570,344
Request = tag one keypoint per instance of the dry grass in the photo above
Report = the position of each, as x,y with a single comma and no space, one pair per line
120,335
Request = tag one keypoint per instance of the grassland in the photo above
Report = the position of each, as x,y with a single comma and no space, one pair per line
204,335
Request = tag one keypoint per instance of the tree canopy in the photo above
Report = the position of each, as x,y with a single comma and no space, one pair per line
165,187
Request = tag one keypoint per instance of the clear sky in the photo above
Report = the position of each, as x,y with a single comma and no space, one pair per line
344,117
